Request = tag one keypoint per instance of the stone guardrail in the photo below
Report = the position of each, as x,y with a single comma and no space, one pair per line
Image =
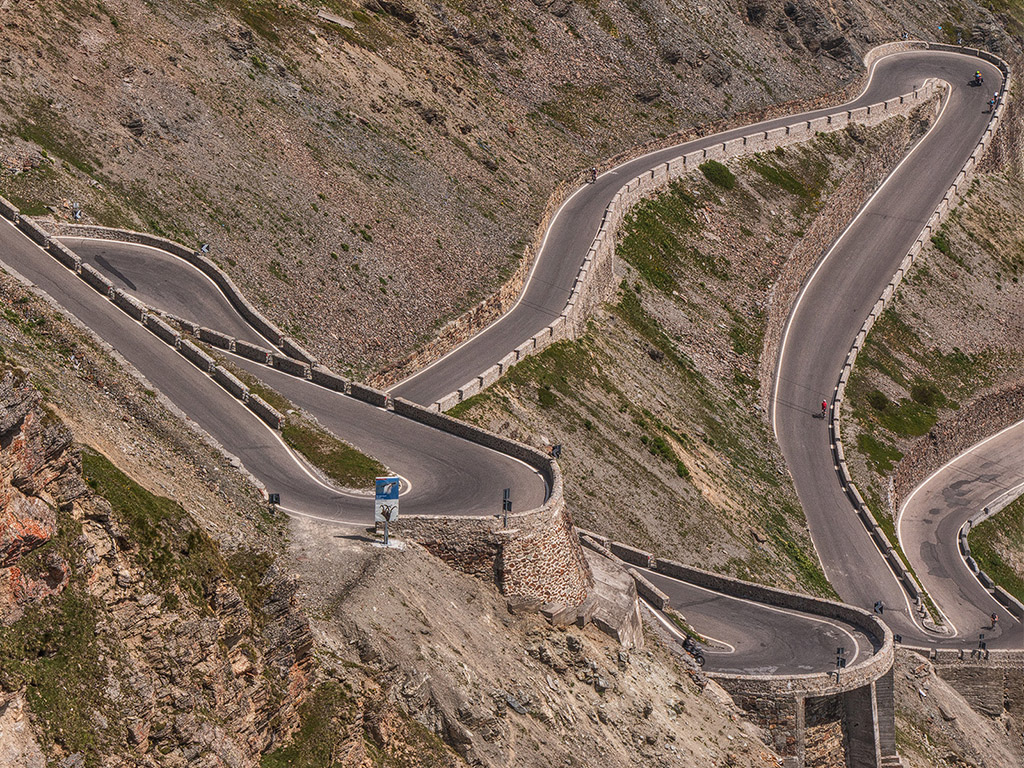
594,280
816,684
196,259
949,201
540,556
1012,604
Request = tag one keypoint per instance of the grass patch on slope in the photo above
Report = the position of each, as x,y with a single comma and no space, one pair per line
341,462
656,238
52,652
166,543
992,542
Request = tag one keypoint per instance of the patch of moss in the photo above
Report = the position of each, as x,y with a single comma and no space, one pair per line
163,540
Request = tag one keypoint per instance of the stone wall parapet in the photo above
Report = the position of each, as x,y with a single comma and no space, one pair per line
594,282
872,668
949,201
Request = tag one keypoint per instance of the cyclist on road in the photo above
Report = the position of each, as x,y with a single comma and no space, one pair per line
995,619
824,408
593,175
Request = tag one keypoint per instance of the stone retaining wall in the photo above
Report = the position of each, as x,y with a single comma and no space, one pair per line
814,684
264,410
287,364
252,351
594,283
129,305
537,555
992,682
951,199
96,280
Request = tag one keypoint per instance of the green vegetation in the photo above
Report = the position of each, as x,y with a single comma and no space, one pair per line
54,653
718,174
881,455
278,271
44,126
941,243
997,544
339,460
336,458
631,310
322,730
657,242
166,543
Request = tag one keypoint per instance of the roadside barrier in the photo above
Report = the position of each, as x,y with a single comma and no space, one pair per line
949,201
874,666
595,279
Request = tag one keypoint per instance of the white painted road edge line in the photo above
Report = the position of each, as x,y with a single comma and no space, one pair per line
614,171
674,630
776,609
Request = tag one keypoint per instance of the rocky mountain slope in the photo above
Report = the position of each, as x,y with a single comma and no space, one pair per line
367,171
136,630
660,407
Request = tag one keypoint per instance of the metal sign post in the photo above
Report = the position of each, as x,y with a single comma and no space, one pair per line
385,503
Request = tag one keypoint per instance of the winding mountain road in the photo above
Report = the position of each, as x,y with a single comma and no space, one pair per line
447,475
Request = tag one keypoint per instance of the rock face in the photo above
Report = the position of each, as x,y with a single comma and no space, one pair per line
38,472
185,655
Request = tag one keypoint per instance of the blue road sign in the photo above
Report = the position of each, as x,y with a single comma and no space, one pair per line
385,504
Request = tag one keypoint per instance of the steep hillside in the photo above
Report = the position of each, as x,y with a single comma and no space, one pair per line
366,172
130,625
659,408
947,354
140,630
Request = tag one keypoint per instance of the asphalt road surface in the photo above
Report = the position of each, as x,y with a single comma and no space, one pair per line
450,476
445,475
830,310
929,527
749,638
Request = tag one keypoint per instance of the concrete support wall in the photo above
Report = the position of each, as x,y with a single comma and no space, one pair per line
861,722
